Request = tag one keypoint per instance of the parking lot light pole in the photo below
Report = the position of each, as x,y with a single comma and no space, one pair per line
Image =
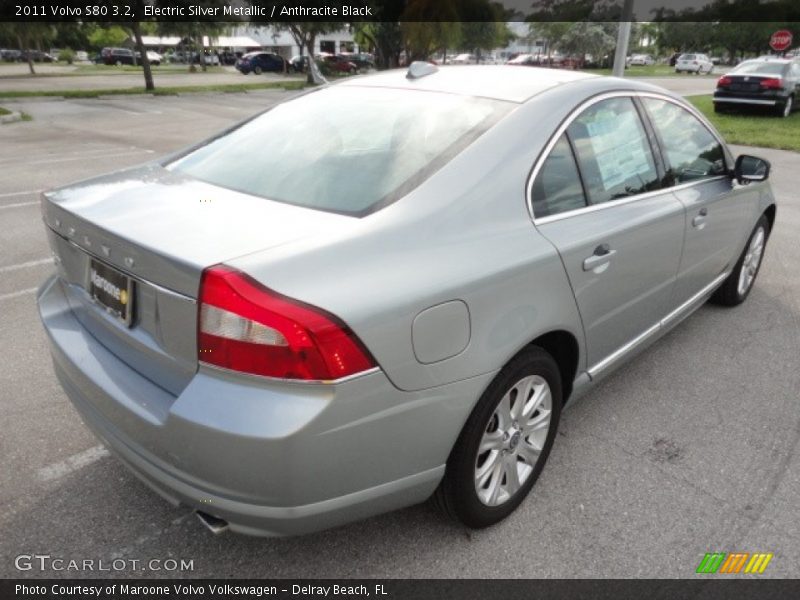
623,37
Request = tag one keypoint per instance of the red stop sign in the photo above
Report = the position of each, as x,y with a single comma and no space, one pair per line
780,40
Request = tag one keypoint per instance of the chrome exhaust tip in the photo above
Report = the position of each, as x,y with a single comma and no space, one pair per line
214,524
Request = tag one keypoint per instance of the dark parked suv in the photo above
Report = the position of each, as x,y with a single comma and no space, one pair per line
118,56
763,82
258,62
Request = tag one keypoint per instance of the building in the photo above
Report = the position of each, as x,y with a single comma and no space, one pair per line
237,44
282,42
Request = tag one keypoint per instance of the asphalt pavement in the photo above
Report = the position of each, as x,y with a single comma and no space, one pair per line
690,448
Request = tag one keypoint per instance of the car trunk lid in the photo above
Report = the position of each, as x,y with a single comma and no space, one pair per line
748,83
161,229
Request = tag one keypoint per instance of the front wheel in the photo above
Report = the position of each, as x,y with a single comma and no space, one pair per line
735,289
257,70
504,445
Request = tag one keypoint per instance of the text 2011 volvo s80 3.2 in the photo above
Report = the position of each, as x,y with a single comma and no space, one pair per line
387,289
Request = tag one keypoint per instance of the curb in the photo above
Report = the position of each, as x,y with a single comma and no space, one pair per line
12,118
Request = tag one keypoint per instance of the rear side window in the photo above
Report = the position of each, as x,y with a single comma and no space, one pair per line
557,187
691,151
349,150
757,67
613,152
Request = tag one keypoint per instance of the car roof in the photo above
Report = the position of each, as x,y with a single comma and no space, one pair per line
769,59
499,82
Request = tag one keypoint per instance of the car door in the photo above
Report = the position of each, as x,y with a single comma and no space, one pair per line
698,173
597,198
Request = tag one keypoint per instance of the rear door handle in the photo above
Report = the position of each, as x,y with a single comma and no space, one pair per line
602,256
700,220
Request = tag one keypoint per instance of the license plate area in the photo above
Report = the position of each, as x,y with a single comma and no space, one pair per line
111,289
744,87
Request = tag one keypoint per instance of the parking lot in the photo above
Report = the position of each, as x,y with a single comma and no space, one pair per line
690,448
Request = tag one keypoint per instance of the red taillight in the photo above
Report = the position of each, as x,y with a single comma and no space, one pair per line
246,327
723,81
772,84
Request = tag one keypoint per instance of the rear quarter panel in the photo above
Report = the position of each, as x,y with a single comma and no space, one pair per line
465,234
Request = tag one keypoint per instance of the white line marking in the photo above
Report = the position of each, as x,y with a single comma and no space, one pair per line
24,193
17,294
19,204
25,265
72,463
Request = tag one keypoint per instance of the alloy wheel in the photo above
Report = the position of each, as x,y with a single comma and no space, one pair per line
513,440
752,260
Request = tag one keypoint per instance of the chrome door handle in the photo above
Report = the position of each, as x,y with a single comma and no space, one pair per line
602,256
700,220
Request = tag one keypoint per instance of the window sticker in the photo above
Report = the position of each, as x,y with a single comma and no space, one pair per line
618,147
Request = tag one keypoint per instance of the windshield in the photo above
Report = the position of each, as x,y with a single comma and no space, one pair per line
348,150
760,68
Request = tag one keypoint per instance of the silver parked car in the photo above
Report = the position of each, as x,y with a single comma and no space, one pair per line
387,289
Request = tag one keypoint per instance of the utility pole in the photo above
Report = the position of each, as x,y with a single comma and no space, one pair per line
623,37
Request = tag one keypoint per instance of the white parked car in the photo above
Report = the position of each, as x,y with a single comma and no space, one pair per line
694,63
154,58
642,60
463,59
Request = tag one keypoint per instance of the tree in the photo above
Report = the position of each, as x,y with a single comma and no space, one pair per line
584,38
385,37
305,33
430,25
196,31
107,36
28,35
423,38
551,32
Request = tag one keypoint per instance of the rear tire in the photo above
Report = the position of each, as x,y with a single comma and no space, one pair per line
257,70
735,289
504,444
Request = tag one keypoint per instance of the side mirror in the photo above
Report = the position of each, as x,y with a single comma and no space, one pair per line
751,168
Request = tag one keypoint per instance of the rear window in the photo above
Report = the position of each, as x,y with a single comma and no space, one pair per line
347,150
760,68
687,57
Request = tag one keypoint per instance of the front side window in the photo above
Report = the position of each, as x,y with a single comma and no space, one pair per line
613,152
691,151
557,187
350,150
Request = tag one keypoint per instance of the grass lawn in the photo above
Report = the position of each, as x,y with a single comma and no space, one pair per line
753,129
159,91
163,68
647,71
3,111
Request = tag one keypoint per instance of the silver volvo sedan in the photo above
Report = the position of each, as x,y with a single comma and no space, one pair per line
386,290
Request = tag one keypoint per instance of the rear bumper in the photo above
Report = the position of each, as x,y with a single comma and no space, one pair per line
271,458
748,99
